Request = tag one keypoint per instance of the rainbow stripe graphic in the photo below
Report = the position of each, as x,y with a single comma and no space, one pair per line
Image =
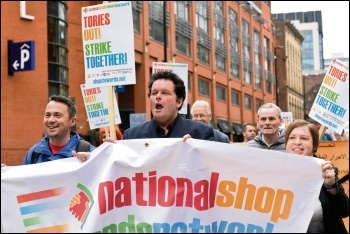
37,213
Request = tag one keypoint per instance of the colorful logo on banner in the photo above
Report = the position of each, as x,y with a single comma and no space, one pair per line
34,205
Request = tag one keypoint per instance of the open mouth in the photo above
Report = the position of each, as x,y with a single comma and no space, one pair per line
159,106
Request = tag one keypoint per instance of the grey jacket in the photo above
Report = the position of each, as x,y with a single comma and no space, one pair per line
258,142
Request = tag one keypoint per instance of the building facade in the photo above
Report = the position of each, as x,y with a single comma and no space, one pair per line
290,85
310,26
228,46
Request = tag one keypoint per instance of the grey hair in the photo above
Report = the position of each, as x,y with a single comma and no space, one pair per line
270,106
201,103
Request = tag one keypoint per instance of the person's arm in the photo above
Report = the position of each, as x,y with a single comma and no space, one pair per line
28,158
83,156
208,134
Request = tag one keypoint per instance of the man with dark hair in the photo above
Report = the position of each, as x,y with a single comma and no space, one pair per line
249,132
167,94
60,141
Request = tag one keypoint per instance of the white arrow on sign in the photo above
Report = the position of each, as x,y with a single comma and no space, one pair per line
15,65
25,45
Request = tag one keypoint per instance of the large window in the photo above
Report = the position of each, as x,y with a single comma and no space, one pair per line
246,52
235,98
136,9
203,39
308,51
220,93
267,65
156,21
203,87
202,13
183,27
57,48
258,104
257,52
247,102
219,34
234,36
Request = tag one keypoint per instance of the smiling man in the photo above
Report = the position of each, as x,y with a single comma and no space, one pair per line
166,95
60,141
270,135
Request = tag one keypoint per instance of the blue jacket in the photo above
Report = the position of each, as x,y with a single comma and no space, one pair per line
220,137
181,127
45,154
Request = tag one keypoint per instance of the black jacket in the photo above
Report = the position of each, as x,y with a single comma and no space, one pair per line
334,208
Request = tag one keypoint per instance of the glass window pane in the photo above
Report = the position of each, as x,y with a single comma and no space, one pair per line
52,33
52,8
62,13
53,72
63,33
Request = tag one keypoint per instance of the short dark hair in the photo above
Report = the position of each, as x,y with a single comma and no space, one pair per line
312,128
246,125
68,102
179,84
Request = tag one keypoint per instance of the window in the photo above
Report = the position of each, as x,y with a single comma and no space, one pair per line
258,104
220,93
57,48
267,65
268,85
183,27
219,33
220,62
202,15
246,52
136,9
308,51
257,52
183,44
203,39
234,36
247,102
156,21
203,87
235,98
181,9
203,54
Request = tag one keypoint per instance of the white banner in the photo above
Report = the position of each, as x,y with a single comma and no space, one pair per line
163,185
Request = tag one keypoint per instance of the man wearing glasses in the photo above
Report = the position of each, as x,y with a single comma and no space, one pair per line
201,111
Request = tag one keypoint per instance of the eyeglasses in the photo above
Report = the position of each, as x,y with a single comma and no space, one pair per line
199,115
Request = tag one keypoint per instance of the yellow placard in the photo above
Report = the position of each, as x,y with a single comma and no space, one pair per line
338,153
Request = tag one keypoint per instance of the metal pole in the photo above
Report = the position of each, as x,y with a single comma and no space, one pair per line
164,31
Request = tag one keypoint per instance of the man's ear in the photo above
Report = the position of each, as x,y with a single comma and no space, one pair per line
73,122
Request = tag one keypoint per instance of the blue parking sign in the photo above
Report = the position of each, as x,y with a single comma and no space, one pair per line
22,56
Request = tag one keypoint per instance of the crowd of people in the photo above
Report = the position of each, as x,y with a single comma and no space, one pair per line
166,95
